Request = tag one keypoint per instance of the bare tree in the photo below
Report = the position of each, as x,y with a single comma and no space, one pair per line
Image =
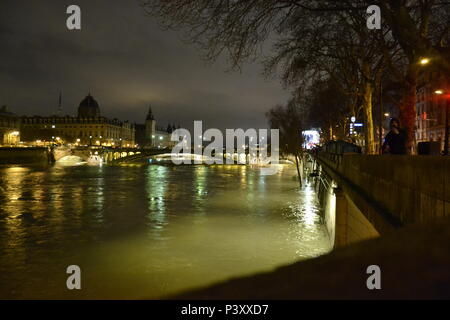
329,109
421,29
241,28
288,120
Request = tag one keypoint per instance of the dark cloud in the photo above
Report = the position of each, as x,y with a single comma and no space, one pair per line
127,61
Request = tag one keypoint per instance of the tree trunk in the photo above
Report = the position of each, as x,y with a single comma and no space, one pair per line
298,170
369,135
408,107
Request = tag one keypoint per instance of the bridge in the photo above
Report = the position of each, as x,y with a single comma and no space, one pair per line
108,155
369,195
117,155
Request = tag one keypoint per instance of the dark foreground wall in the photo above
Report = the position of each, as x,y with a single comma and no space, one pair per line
409,188
414,263
23,155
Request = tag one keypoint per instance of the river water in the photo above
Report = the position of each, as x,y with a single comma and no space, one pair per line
147,231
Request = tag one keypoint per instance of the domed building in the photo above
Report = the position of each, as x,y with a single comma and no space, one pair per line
87,128
88,108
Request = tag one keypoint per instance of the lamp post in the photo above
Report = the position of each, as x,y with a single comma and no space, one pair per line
447,107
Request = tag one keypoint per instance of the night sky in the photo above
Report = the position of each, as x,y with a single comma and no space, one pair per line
127,62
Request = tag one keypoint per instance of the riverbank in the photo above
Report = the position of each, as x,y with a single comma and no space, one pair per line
414,263
11,155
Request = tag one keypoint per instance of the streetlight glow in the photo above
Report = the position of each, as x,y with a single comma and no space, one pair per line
439,92
424,61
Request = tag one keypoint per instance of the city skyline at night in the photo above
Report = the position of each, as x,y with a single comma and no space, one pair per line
225,154
127,61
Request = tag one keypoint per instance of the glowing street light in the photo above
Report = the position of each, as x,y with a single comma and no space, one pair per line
439,92
387,114
424,61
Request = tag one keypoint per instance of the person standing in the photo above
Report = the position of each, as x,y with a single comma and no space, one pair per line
395,140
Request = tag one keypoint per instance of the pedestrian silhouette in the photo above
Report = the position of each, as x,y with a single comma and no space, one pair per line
395,140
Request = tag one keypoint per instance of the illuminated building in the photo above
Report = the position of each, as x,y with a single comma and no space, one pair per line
149,135
430,108
9,127
88,128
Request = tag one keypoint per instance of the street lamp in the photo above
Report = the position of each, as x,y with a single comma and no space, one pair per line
424,61
447,107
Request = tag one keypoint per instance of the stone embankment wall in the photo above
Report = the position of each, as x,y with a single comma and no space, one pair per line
24,155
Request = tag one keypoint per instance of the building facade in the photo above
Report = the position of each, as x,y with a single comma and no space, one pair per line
430,108
9,128
149,135
89,128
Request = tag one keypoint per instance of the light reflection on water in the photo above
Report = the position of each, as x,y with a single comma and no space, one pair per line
142,231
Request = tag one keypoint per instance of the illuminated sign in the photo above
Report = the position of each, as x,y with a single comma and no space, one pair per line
311,138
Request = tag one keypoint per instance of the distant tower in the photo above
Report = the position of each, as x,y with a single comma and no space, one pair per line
150,128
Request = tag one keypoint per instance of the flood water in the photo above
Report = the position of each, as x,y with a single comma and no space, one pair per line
147,231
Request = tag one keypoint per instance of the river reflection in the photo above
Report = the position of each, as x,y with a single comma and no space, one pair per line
145,231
